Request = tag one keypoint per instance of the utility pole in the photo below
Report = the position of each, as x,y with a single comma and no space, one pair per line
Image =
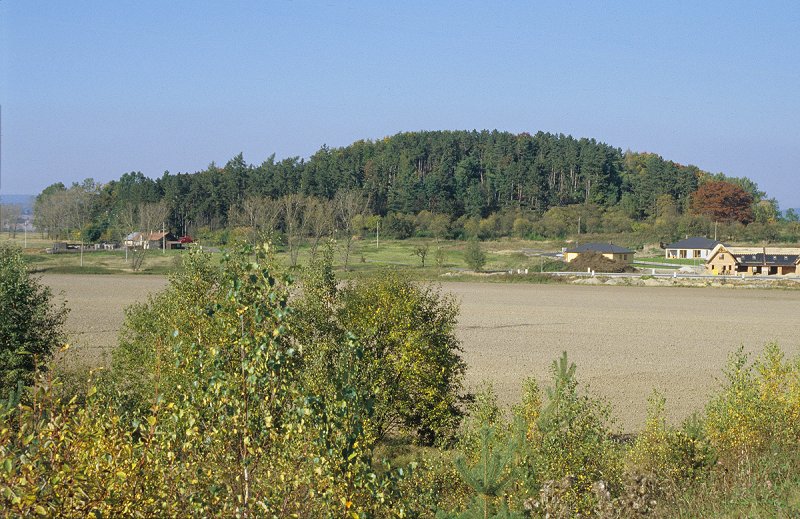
579,226
377,233
163,239
715,230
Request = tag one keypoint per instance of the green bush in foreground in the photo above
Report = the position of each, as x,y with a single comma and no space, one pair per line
30,326
411,364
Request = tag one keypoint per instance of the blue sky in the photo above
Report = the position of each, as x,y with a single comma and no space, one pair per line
99,88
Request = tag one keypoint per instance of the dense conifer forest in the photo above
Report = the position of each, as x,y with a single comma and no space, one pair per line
460,174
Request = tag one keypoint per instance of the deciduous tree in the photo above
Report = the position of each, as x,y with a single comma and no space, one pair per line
723,201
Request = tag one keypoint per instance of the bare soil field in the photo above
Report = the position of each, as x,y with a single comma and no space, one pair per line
97,304
626,341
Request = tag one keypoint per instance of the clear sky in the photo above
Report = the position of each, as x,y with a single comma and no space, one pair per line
99,88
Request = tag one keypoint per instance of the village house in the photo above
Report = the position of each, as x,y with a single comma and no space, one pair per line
695,247
133,240
153,240
167,240
753,261
609,250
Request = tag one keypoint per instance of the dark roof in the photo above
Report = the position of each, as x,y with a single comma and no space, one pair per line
776,260
603,248
695,242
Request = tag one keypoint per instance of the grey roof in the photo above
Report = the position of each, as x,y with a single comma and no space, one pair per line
695,242
776,260
603,248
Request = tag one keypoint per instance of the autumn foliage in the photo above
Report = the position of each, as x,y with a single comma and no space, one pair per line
723,201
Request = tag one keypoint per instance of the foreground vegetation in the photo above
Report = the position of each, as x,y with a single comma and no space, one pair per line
230,396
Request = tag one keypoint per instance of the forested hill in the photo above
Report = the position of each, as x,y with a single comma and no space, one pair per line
449,172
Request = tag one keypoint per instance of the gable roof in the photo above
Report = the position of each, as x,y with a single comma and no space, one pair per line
153,236
695,242
759,256
603,248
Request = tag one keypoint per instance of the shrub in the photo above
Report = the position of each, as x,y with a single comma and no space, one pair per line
758,407
144,364
671,456
411,357
599,263
241,435
398,225
572,450
474,255
30,325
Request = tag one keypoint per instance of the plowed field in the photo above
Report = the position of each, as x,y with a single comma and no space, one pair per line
626,341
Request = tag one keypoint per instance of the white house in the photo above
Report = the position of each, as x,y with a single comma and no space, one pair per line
695,247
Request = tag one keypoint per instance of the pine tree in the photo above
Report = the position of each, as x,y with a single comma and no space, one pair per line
488,478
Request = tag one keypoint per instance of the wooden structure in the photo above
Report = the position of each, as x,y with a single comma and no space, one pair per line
753,261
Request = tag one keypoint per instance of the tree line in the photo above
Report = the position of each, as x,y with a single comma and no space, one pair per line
459,174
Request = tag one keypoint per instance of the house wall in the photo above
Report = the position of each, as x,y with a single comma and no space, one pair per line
723,263
687,253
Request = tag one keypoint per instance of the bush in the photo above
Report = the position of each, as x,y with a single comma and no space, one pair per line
549,460
30,326
672,457
474,256
398,225
241,433
573,451
144,364
411,360
758,407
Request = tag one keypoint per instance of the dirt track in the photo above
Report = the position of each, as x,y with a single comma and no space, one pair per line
625,340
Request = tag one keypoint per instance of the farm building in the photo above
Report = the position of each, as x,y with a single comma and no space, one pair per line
609,250
690,248
753,260
167,240
153,240
134,239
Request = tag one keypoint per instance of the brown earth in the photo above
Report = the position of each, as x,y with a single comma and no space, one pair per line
96,304
625,340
